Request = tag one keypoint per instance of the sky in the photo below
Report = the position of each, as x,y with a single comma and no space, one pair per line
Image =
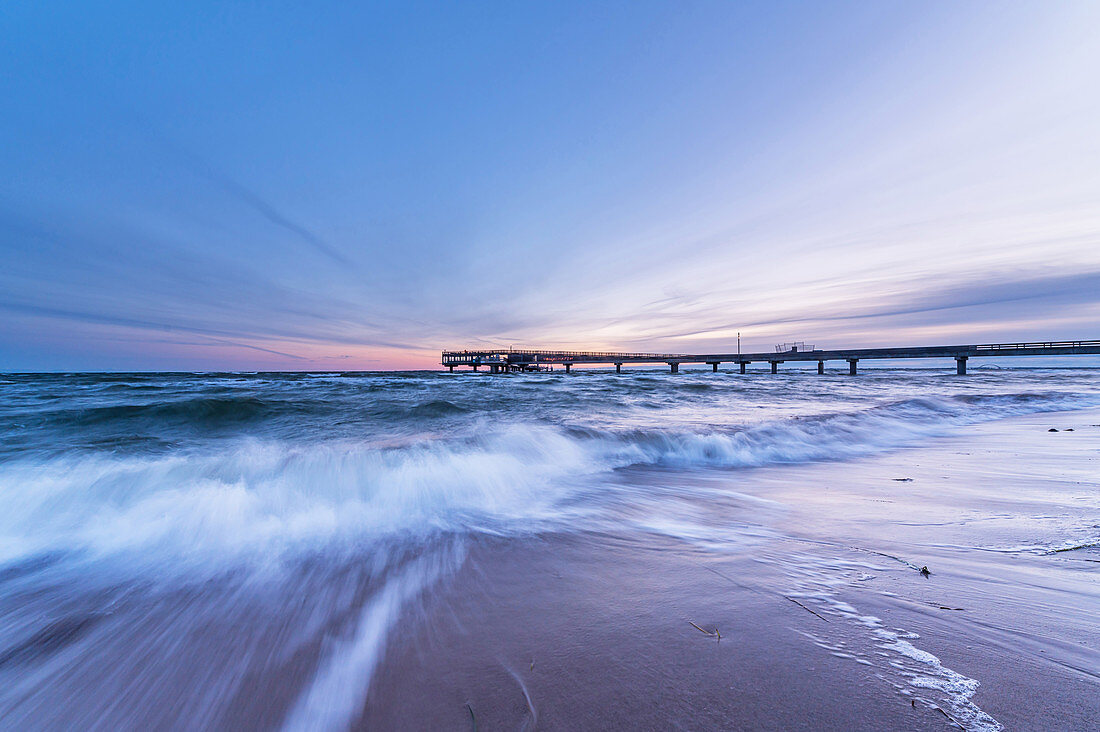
357,186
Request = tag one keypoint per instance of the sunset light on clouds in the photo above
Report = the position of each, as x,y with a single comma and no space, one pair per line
220,187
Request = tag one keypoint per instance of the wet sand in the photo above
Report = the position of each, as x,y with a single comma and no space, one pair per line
827,624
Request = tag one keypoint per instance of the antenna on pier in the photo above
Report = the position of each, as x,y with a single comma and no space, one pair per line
739,344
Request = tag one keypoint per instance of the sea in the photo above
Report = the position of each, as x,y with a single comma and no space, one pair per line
236,550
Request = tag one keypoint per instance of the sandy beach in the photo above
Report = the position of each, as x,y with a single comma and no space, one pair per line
826,623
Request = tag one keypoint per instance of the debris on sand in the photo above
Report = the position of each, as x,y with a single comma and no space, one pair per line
924,571
712,633
811,612
1075,547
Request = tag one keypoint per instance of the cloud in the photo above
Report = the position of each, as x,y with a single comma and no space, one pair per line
82,272
199,166
987,299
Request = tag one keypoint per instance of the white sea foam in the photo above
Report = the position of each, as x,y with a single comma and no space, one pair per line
250,499
258,500
908,668
335,695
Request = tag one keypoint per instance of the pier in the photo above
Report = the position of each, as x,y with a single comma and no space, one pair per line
499,361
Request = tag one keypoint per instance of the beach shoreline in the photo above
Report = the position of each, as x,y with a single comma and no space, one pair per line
644,552
829,624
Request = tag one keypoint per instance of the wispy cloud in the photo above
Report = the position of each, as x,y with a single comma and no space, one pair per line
197,165
257,194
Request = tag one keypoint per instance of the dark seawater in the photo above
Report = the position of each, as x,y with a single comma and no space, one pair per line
171,542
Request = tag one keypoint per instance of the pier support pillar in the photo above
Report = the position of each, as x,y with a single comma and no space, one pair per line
567,367
742,364
714,366
475,367
451,368
820,367
675,367
852,366
960,365
775,367
618,368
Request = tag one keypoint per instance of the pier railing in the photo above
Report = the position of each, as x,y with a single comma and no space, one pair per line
549,355
501,360
1044,344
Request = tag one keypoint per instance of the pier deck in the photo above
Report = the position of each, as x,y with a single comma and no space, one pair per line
505,360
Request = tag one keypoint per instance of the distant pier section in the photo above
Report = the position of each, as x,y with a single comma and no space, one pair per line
499,361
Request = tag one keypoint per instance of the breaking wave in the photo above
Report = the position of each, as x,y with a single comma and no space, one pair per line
255,499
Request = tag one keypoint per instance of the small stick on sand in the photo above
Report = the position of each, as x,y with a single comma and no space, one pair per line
811,612
704,632
1085,545
473,719
707,632
753,589
950,718
921,570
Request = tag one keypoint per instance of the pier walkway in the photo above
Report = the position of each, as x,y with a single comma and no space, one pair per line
512,360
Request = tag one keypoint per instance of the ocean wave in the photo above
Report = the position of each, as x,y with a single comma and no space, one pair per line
198,410
834,436
259,500
264,501
437,408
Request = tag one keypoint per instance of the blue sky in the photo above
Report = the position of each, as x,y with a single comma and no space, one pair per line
357,186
